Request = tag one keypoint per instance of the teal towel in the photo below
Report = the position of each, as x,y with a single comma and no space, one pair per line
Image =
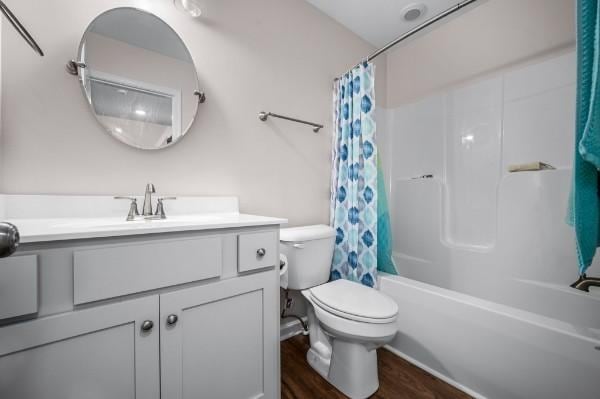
589,146
385,260
584,212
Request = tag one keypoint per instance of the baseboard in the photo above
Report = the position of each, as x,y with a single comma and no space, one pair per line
435,373
290,329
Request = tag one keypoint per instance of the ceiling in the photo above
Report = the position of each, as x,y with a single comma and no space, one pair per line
379,21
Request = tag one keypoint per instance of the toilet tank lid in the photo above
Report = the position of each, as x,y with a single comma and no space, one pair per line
306,233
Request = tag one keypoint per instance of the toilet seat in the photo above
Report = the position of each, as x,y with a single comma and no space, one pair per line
354,302
357,330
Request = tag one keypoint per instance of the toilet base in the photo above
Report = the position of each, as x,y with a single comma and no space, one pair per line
319,363
344,352
353,369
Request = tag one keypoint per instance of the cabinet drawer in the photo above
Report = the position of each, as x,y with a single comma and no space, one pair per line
257,250
18,286
108,272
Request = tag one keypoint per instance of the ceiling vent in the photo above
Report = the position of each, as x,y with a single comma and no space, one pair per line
412,12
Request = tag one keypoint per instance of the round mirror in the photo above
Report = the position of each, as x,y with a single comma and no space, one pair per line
139,78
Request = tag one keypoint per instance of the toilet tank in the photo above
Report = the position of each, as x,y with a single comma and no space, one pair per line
309,250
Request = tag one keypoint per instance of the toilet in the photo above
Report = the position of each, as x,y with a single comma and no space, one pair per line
347,321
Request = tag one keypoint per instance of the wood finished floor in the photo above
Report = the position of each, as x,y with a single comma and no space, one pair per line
398,379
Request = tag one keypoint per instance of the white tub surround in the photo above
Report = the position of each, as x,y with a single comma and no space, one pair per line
145,309
42,218
485,255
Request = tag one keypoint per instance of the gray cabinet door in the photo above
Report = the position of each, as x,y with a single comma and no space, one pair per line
100,352
225,342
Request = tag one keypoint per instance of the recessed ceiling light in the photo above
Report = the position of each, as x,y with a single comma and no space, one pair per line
189,7
118,130
140,112
414,11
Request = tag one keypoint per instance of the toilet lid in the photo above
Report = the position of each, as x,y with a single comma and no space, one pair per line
349,299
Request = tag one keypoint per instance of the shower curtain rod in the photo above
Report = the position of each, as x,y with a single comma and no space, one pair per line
14,21
419,28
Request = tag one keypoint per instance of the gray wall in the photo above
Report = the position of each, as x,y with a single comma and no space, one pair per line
277,55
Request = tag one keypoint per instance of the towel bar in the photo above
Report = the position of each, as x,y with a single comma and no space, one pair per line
263,116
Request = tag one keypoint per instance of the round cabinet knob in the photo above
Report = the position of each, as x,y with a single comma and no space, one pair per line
147,325
172,319
261,252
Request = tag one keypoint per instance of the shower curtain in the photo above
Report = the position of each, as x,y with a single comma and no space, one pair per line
354,184
584,212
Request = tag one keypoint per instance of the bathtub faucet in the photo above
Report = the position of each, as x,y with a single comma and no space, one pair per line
584,283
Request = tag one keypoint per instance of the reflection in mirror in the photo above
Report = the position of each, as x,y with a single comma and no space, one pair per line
139,78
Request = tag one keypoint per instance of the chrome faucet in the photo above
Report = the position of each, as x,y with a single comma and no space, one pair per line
147,208
160,207
133,208
584,283
147,212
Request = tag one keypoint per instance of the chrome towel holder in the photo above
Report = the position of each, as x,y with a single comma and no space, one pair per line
263,116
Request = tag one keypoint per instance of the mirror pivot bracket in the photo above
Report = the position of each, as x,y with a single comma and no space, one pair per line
73,67
201,96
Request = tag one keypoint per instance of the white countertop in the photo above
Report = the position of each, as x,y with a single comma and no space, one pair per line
65,228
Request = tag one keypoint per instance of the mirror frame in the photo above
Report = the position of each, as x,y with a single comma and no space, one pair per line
73,68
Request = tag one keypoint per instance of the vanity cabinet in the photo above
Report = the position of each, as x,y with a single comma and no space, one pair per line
100,352
220,341
209,331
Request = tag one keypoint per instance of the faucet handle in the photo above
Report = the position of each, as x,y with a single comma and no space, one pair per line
160,208
133,208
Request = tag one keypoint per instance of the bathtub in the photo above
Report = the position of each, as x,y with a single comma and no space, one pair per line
543,341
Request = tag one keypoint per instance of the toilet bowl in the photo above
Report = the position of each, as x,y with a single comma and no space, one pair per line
347,321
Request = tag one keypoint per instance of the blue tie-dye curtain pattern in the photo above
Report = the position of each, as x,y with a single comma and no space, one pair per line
354,177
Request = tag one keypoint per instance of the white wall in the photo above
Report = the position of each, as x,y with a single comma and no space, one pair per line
491,36
274,55
1,174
